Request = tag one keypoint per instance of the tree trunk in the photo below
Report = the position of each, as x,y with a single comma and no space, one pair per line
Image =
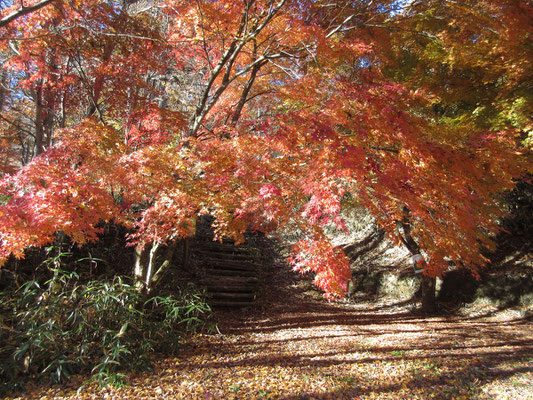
428,282
39,122
146,274
186,252
428,294
44,120
165,265
3,88
139,269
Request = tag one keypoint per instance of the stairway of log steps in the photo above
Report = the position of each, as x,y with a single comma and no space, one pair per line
229,273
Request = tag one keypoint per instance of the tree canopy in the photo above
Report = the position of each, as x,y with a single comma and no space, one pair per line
265,114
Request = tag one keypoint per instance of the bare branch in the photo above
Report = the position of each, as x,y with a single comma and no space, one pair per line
227,61
338,27
246,91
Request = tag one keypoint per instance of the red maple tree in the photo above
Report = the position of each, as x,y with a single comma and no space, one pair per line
264,114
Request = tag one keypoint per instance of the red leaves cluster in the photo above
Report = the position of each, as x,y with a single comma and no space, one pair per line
328,262
63,189
319,127
269,190
152,125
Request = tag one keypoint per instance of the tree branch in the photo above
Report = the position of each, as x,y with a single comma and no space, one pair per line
226,63
404,231
245,92
23,11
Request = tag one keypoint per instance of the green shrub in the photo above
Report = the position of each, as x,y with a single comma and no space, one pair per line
64,327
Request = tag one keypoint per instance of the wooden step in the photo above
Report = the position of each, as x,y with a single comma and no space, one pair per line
201,254
228,272
237,270
225,248
234,281
231,264
221,272
230,296
231,280
211,289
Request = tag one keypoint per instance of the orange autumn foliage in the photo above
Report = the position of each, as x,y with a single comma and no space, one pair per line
279,113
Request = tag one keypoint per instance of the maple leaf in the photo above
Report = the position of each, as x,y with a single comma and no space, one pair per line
269,190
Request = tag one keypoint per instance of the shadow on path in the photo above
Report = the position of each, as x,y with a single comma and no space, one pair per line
368,350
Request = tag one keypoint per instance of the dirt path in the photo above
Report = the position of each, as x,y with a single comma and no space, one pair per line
296,347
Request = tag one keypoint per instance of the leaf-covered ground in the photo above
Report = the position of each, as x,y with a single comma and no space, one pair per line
296,346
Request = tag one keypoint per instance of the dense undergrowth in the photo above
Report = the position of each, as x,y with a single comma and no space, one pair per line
51,330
